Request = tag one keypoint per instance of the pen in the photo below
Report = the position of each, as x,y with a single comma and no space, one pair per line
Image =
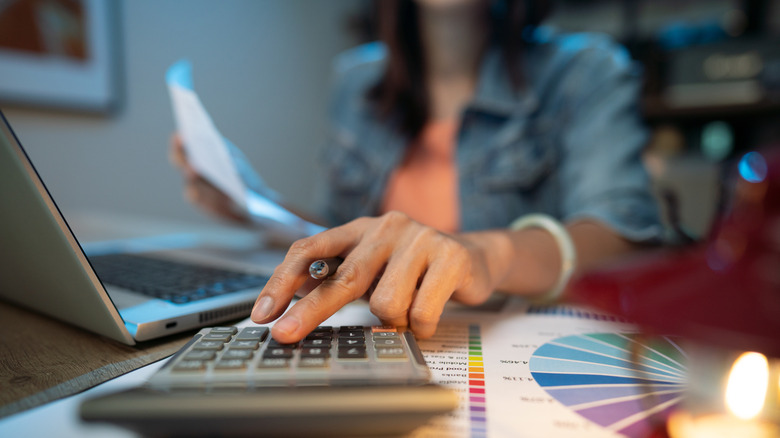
324,268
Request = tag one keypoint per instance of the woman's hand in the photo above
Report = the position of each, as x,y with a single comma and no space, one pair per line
199,191
407,270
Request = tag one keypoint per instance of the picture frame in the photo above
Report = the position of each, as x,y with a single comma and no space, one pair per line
60,54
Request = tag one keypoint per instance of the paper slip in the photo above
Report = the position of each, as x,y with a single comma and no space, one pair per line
210,154
206,150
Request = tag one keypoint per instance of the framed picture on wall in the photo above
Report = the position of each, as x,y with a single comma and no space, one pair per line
59,54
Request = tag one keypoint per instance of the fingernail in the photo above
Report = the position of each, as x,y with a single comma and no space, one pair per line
287,325
263,309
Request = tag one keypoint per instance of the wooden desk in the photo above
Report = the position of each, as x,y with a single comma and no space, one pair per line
42,359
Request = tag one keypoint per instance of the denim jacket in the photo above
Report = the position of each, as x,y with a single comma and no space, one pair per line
567,144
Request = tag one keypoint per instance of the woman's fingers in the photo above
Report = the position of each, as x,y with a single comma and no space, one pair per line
443,277
419,281
202,193
349,283
415,268
178,156
351,280
395,289
293,273
198,190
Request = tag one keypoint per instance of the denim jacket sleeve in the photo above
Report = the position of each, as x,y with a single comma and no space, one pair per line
351,158
601,171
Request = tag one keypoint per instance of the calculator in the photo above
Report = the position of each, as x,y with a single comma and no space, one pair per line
337,381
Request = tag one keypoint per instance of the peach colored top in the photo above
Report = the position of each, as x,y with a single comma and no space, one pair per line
425,185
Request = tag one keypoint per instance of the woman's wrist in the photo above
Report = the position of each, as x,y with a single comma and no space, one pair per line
493,255
523,262
564,243
528,262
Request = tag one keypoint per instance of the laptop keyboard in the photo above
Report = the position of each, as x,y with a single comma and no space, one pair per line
177,282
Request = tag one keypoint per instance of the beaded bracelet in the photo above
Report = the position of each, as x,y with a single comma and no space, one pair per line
565,244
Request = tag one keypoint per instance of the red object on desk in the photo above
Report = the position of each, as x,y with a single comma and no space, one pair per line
725,291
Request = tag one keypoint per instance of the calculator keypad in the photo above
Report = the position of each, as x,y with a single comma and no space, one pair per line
328,355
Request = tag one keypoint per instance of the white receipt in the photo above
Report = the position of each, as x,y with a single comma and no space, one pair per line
206,150
210,155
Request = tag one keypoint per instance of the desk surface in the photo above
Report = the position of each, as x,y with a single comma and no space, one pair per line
490,357
61,418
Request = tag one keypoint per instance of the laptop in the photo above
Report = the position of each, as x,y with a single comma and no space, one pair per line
131,292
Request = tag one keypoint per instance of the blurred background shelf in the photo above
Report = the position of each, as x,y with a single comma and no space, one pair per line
711,91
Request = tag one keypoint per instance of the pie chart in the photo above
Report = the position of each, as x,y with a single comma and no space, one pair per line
627,383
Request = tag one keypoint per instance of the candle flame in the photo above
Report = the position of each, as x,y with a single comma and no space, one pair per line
747,385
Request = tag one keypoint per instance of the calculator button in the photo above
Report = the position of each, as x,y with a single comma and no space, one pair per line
319,335
284,353
313,362
316,342
352,334
383,329
237,354
270,362
244,345
275,344
384,335
315,352
347,342
391,353
230,364
252,334
200,355
224,337
387,342
352,328
352,353
224,330
208,345
323,328
190,365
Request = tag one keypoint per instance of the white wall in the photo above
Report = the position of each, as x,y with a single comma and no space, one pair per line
261,68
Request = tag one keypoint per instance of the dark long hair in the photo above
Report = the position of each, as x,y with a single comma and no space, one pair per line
401,93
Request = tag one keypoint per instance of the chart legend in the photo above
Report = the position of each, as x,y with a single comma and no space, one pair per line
477,410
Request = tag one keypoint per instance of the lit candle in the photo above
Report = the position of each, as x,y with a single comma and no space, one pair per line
750,400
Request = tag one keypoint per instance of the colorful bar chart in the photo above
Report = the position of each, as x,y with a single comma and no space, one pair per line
477,408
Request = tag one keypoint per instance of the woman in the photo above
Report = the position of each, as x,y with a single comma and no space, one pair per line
467,117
